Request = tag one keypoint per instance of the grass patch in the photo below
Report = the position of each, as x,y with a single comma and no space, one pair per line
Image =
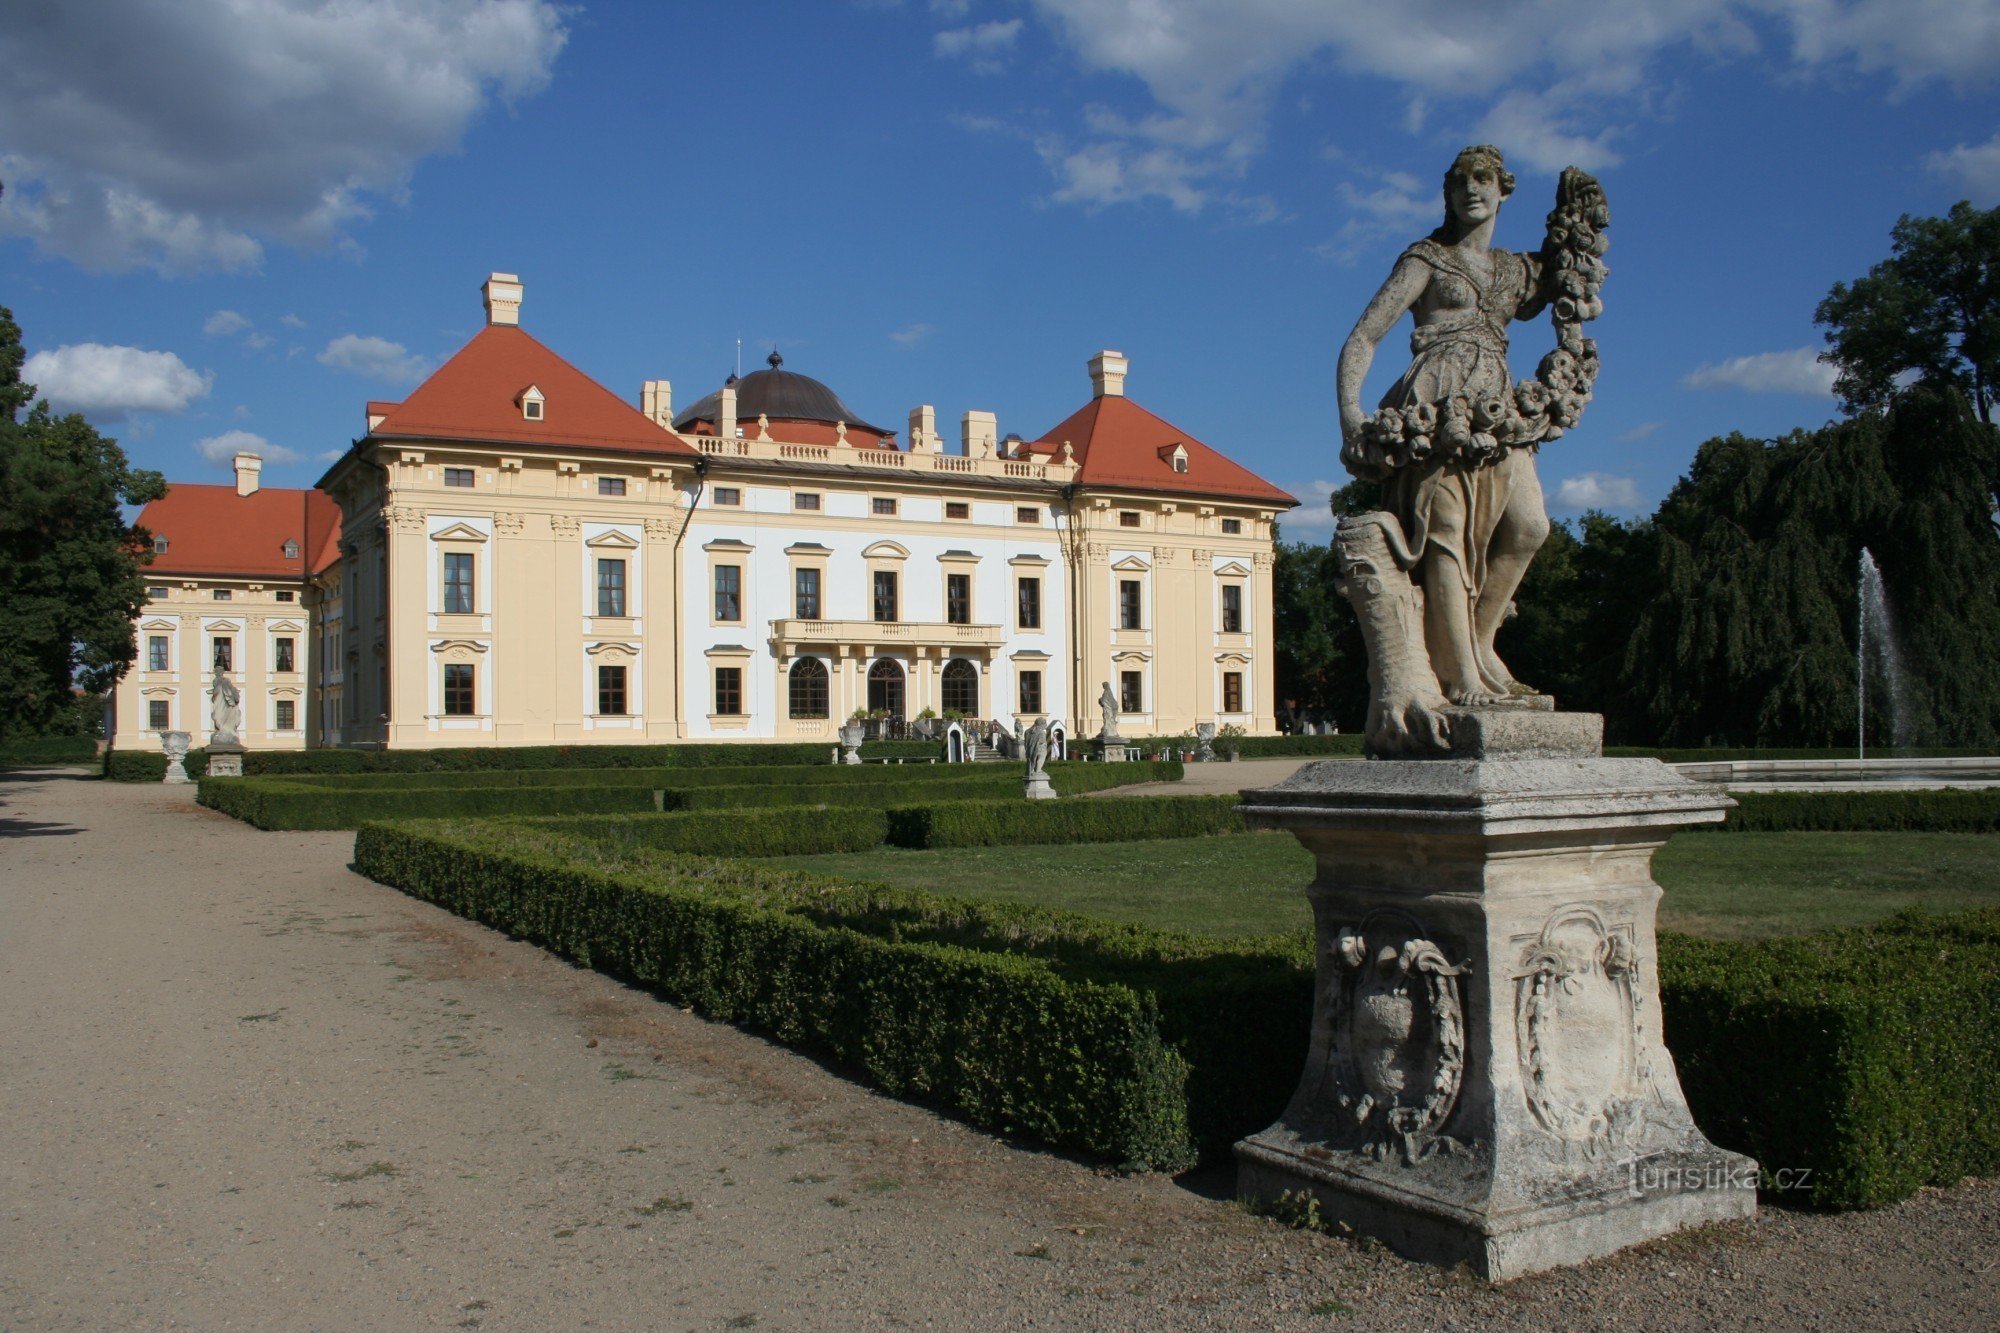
1742,886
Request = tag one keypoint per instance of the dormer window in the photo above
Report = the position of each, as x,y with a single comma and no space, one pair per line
291,550
532,403
1175,456
159,546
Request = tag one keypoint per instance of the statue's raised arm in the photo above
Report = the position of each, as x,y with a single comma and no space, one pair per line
1453,444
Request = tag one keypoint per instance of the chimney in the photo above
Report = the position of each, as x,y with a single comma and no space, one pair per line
923,429
979,430
725,425
656,400
501,293
247,468
1107,374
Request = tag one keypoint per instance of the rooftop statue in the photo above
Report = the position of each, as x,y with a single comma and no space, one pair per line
1453,444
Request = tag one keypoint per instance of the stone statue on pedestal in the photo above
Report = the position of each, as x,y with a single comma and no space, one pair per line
1433,575
1035,750
1107,704
225,712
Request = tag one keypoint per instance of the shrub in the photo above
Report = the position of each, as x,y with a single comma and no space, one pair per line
147,766
685,754
1862,812
273,803
1009,1039
1865,1056
1017,822
786,831
786,775
1278,747
1728,754
28,751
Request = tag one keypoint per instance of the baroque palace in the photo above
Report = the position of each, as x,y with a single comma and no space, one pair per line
515,555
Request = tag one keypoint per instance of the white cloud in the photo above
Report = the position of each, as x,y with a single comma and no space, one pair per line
911,336
1314,516
297,120
1393,208
1640,431
110,383
291,321
1975,167
223,323
1597,490
224,447
1797,371
985,45
1528,74
377,358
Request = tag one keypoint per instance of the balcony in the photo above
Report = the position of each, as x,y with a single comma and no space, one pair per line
885,633
898,460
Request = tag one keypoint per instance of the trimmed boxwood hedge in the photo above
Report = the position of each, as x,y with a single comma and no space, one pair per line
1017,1039
145,766
1865,1056
283,803
1015,823
1946,811
784,831
787,775
473,759
34,751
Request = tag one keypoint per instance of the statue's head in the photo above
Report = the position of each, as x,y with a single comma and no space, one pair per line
1477,174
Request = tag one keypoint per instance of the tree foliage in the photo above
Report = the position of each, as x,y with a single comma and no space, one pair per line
1930,311
70,584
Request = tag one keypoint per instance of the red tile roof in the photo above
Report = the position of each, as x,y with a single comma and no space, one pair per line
1120,444
213,531
476,396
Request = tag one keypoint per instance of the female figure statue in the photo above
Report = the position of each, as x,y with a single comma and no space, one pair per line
1453,442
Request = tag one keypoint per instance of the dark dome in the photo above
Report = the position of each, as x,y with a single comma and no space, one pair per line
781,395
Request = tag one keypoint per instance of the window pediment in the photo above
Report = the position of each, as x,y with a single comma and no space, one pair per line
612,540
458,532
286,627
223,627
726,544
1132,564
1233,570
886,550
1039,561
159,626
611,650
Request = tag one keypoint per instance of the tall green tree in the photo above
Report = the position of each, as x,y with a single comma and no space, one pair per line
1930,311
70,584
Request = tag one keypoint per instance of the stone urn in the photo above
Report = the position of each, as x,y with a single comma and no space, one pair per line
851,737
175,744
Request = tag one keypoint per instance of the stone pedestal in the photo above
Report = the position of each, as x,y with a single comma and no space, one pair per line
1486,1082
850,744
175,745
1112,751
1036,787
225,761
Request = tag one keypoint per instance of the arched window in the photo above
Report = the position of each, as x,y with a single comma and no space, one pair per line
809,688
961,687
885,688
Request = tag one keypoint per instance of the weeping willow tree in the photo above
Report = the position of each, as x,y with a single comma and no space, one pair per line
1749,634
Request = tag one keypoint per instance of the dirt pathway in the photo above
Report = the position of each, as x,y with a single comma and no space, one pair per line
243,1088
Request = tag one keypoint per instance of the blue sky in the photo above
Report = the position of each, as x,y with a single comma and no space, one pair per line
233,220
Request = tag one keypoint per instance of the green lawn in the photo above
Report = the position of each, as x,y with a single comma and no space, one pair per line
1731,885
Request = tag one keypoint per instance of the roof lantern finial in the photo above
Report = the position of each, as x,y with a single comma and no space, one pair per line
774,360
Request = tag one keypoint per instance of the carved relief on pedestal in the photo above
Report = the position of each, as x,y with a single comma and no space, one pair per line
1583,1062
1396,1056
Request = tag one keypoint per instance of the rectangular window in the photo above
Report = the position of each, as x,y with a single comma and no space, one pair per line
1128,604
284,655
458,583
287,715
1232,608
1027,514
805,500
1232,691
885,595
158,592
957,509
286,595
882,504
610,589
225,654
1128,518
805,594
729,691
458,476
1129,698
1232,527
222,594
1028,599
156,714
1031,692
611,691
459,697
729,592
156,652
611,485
958,599
729,495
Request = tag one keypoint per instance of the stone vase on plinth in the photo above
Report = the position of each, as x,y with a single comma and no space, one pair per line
851,737
1486,1081
175,745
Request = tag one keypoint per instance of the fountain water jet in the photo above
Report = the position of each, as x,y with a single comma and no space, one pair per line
1872,621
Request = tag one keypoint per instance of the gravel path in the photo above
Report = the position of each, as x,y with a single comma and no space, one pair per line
243,1088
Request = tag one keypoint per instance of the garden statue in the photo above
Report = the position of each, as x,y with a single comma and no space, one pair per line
175,745
1035,749
1434,574
225,712
1107,704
